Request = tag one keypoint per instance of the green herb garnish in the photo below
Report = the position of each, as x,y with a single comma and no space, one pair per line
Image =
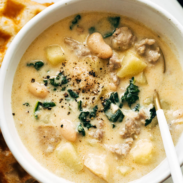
83,116
131,93
63,89
36,109
117,117
47,105
80,105
94,112
84,119
72,93
26,104
54,83
106,104
75,21
136,108
114,21
113,125
81,129
109,34
91,30
114,97
64,80
37,65
152,115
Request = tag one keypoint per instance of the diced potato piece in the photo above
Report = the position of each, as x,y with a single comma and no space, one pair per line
124,170
131,66
141,79
142,153
98,165
67,154
55,54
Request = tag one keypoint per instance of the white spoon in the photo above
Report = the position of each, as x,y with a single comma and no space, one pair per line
168,143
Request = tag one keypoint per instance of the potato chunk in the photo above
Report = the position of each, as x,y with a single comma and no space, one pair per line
124,170
131,66
98,165
55,54
142,153
141,79
67,154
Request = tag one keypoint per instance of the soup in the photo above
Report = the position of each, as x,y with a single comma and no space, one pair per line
82,98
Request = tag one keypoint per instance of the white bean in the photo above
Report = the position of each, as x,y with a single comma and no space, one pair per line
38,90
98,46
67,130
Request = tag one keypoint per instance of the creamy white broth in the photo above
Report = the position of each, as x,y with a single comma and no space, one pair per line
168,84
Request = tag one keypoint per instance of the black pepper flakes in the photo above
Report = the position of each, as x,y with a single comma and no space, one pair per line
66,95
32,80
68,113
62,126
60,100
13,114
92,73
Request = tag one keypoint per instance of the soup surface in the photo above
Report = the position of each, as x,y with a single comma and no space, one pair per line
82,98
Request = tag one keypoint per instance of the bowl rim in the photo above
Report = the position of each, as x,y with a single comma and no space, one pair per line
40,17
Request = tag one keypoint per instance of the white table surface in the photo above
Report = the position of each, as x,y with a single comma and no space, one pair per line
172,6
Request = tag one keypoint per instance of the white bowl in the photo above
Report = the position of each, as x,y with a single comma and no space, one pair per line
143,11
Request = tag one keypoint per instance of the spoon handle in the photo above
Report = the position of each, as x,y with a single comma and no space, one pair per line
169,148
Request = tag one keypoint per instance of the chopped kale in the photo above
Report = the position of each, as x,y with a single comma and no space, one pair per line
94,112
83,116
120,105
106,104
113,125
84,119
81,129
91,30
26,104
72,93
114,97
80,105
54,83
131,93
118,116
59,80
114,21
152,115
109,34
47,105
89,125
63,89
136,108
64,80
37,109
75,21
37,65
